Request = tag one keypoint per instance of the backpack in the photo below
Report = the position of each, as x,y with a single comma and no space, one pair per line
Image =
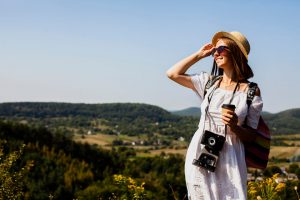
257,151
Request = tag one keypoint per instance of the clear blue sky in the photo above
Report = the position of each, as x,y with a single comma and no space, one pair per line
119,51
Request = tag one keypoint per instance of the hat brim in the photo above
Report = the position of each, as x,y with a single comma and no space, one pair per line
221,34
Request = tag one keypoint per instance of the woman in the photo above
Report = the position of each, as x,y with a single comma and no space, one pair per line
229,180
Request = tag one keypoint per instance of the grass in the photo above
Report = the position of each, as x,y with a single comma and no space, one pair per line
102,140
284,152
287,137
105,141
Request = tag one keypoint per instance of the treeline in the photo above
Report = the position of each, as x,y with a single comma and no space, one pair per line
128,118
285,122
64,169
116,118
109,111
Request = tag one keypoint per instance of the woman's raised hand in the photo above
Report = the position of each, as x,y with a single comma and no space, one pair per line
205,50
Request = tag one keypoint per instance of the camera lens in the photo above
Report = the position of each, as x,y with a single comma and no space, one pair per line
211,141
211,162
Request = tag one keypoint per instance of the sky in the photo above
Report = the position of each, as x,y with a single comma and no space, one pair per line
119,51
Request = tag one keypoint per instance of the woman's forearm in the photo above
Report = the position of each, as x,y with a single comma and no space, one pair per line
183,65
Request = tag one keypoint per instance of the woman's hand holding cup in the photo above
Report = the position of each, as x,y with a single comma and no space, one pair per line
229,117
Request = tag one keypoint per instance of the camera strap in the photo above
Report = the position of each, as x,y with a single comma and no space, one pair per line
210,95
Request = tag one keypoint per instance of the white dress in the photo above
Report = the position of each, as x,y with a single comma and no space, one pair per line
229,181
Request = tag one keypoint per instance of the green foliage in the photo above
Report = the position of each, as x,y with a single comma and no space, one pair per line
126,118
12,177
293,168
286,122
271,171
116,118
66,170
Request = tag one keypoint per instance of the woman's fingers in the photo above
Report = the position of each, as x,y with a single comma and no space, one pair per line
229,112
208,46
206,49
230,119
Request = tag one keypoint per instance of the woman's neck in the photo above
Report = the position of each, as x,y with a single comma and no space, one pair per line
228,78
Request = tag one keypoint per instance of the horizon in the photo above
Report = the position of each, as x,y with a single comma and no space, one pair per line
98,51
129,103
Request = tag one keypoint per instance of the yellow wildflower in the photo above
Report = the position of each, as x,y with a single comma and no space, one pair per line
280,187
259,198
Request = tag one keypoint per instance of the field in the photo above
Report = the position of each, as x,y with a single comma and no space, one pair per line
179,147
284,152
105,141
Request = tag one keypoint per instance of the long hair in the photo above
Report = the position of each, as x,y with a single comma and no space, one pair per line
241,68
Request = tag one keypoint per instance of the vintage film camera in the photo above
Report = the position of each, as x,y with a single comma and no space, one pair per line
210,153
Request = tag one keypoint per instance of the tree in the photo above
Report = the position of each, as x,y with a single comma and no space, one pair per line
293,168
270,171
11,178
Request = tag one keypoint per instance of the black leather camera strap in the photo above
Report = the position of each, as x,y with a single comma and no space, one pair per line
210,95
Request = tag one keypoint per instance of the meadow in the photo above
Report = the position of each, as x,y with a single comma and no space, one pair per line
289,150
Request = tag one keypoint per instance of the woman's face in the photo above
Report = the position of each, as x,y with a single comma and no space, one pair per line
223,58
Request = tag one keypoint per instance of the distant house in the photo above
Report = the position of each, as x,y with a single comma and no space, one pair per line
259,178
181,139
292,176
280,180
250,177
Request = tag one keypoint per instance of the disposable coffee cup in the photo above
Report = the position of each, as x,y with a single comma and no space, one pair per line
226,107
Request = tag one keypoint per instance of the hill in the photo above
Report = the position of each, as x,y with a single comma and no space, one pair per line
115,118
108,111
192,111
130,118
285,122
65,169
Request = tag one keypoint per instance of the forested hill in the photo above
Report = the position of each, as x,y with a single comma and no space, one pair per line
285,122
128,111
115,118
64,169
192,111
133,118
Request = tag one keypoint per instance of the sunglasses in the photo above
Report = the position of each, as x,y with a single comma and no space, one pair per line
220,49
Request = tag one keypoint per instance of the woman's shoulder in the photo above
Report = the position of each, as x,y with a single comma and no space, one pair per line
246,86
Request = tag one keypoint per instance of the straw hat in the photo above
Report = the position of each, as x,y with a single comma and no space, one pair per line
239,39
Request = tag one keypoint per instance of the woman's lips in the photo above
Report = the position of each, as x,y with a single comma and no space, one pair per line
219,58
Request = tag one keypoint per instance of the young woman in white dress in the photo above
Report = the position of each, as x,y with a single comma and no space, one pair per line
229,180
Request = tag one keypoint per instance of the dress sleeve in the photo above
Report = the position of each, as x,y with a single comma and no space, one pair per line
199,82
254,112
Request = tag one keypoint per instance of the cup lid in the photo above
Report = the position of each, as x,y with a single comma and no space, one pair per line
228,106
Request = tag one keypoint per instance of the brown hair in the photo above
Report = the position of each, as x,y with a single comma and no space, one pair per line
242,71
